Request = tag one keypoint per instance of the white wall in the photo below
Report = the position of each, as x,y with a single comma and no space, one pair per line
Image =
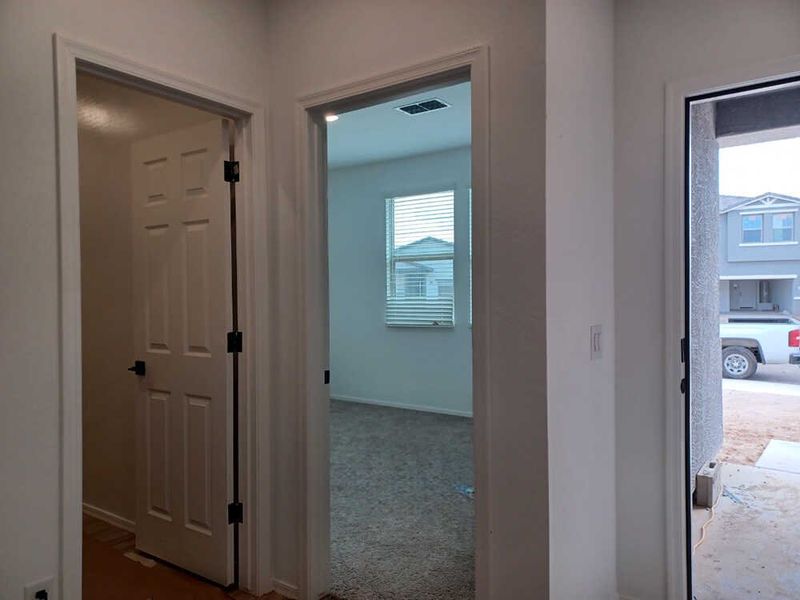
109,391
319,45
218,42
580,293
658,42
424,368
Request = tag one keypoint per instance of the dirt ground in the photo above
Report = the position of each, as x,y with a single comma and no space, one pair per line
751,420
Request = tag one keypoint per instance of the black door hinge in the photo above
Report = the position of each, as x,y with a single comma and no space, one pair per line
232,171
683,350
235,512
327,376
234,341
683,386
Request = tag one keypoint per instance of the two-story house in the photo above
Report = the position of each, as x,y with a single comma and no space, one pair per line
759,254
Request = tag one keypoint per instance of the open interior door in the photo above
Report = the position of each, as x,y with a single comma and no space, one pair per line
181,307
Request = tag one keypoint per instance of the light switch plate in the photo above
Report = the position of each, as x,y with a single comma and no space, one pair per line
595,342
45,584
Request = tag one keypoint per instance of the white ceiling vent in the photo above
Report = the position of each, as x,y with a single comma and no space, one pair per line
424,106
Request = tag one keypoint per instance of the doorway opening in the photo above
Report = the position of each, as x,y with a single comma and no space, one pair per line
161,493
402,484
743,342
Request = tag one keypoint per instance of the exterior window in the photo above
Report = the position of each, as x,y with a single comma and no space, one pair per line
752,229
419,260
783,227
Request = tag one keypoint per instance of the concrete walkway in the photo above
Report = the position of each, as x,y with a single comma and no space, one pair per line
752,548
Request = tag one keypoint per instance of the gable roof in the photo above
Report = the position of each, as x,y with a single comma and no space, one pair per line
729,203
426,245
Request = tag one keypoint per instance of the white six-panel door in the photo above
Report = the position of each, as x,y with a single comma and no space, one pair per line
181,315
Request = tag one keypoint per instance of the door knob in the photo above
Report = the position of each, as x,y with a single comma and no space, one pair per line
138,367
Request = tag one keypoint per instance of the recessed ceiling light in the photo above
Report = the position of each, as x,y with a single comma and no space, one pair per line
331,118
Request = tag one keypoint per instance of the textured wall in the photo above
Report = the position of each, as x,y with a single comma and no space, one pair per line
706,360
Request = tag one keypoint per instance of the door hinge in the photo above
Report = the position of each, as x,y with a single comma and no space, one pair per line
327,376
234,341
232,171
235,513
683,350
683,386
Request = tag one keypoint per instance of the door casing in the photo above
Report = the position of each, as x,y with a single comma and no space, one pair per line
313,425
678,95
248,115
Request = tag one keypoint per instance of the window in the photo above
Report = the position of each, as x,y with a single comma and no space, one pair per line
783,227
419,260
752,229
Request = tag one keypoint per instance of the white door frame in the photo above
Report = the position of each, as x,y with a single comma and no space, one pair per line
676,95
313,474
71,56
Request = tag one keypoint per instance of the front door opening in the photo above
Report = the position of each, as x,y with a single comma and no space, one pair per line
156,371
743,309
400,312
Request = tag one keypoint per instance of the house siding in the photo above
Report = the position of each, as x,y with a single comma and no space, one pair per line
777,263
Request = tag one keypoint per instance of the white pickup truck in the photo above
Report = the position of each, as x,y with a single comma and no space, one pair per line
752,338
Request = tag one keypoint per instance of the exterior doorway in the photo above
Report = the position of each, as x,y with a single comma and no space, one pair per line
742,344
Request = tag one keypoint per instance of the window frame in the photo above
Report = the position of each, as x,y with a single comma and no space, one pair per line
392,259
746,229
791,227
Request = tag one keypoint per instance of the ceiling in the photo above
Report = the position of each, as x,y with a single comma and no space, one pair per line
381,133
127,114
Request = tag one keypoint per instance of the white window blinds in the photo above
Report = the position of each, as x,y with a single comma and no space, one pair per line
419,260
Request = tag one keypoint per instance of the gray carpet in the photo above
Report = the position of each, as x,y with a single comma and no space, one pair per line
400,527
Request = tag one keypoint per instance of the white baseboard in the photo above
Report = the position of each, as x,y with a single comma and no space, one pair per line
391,404
109,517
285,589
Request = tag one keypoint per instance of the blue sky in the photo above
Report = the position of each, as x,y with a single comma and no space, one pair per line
753,169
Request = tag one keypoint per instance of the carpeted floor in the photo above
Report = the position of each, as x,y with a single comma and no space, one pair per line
401,522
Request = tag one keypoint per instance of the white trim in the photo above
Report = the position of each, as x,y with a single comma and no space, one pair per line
402,405
774,208
109,517
750,277
751,244
312,348
70,56
674,318
285,589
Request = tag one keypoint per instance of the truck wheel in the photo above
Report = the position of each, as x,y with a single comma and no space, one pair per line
738,362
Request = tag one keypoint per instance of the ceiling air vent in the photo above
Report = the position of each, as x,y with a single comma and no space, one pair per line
423,107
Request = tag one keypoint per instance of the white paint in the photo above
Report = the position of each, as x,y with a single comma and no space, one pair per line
657,43
749,277
180,316
404,406
109,517
217,42
413,367
381,132
313,344
580,278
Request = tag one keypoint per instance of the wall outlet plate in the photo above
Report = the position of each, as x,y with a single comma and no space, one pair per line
44,586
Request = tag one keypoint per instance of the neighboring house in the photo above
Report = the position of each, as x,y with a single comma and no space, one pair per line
424,269
759,254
